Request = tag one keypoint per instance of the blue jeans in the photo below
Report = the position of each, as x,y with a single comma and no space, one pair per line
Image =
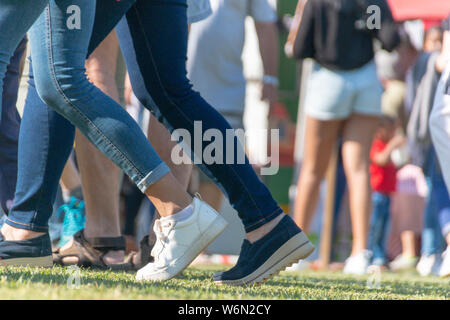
59,55
378,227
437,209
9,128
16,17
157,68
158,75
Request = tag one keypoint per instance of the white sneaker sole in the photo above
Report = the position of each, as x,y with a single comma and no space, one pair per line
297,248
200,244
45,262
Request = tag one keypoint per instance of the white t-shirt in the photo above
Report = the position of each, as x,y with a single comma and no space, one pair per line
215,52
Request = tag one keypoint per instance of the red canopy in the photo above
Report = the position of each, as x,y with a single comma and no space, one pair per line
420,9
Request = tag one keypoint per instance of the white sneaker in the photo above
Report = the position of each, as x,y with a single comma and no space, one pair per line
403,262
445,266
358,264
429,264
179,243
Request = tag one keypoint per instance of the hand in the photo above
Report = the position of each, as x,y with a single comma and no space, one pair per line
397,141
269,94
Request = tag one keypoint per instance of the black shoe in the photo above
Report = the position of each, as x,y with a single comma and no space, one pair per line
258,261
32,252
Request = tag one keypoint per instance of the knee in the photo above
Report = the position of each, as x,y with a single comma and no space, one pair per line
311,175
61,88
47,90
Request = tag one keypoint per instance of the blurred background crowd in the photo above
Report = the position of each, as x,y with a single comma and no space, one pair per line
348,84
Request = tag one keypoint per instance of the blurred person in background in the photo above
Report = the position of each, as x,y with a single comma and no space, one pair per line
215,64
422,83
343,98
383,179
440,134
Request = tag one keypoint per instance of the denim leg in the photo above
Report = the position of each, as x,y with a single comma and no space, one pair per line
59,56
16,17
378,226
45,142
437,200
442,199
9,129
431,231
153,39
62,84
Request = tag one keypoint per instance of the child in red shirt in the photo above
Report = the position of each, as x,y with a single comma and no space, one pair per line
383,181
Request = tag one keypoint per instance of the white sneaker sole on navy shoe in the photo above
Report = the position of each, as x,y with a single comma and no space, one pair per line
177,253
297,248
283,246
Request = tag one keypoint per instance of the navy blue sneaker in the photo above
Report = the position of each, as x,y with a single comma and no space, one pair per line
258,261
33,252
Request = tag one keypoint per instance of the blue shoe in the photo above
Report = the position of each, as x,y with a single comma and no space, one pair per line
33,252
74,219
258,261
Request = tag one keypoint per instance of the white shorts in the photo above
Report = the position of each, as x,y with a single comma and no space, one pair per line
337,94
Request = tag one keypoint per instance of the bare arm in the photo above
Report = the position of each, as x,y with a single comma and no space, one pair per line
444,57
268,47
381,159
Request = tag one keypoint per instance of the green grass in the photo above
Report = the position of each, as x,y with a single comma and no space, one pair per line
195,283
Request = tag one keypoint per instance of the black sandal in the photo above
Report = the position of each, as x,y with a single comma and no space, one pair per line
90,252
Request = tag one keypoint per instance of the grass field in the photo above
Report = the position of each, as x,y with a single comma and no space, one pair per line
195,283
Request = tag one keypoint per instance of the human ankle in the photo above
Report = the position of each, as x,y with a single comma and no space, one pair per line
114,257
11,233
257,234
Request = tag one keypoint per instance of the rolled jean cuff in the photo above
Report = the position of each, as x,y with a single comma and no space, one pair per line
160,171
26,226
250,226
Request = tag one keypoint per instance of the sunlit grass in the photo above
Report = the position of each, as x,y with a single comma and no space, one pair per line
196,283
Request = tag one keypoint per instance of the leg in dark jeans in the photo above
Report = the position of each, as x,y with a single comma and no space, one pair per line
153,39
9,128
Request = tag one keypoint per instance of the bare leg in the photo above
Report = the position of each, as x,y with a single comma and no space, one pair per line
211,194
159,137
408,240
320,138
358,135
70,179
99,176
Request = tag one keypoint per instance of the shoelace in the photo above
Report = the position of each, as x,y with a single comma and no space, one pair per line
162,230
